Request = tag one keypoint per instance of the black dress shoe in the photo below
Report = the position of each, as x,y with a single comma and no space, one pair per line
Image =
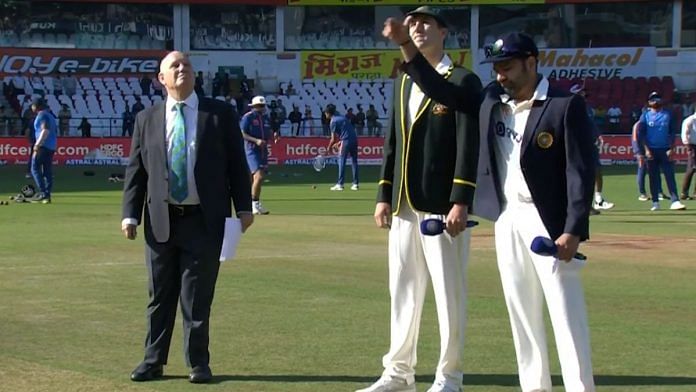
147,372
200,374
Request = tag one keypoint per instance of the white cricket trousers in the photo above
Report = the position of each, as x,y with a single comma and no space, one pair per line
413,257
527,280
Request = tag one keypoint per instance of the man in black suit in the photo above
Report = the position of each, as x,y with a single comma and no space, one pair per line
535,178
186,169
429,170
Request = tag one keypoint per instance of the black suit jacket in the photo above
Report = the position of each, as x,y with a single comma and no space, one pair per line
560,176
433,162
221,170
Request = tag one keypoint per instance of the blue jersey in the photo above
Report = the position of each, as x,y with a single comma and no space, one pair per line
657,129
258,125
343,128
45,116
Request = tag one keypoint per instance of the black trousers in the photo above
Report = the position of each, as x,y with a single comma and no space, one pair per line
183,269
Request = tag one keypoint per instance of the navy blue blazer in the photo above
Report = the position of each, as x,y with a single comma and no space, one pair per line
556,159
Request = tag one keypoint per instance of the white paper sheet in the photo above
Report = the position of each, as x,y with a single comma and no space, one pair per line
233,232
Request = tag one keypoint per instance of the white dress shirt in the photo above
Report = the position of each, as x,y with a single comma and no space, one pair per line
510,119
191,121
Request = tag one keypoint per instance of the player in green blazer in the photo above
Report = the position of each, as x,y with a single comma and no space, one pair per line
430,159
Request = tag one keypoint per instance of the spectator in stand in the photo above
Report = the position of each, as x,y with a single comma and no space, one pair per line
350,116
128,120
200,81
64,116
208,85
688,137
145,84
233,102
282,112
245,88
360,121
70,84
137,106
5,121
371,116
225,84
217,84
275,123
295,118
37,86
290,90
614,117
85,128
325,120
307,122
656,133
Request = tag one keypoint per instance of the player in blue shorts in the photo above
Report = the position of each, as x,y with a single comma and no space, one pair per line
257,133
343,134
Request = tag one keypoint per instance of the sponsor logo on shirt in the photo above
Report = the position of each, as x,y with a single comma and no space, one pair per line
502,130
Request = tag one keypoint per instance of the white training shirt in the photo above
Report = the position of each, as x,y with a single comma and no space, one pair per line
688,133
614,114
510,120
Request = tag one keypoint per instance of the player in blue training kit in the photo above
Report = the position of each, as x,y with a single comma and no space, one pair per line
257,133
46,136
656,132
343,132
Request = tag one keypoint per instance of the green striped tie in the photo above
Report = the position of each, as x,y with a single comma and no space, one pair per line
177,180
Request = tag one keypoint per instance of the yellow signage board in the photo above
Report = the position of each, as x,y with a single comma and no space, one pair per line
362,64
409,2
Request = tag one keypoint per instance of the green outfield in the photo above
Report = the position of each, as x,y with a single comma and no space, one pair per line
305,305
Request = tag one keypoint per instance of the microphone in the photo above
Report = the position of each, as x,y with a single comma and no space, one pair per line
546,247
436,226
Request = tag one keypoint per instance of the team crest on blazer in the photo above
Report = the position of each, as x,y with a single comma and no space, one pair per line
544,139
440,109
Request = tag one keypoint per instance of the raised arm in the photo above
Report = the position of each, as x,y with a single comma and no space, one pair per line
465,97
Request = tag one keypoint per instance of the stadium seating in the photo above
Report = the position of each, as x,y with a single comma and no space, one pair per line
627,93
105,98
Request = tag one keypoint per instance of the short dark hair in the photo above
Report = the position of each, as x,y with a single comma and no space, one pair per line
330,109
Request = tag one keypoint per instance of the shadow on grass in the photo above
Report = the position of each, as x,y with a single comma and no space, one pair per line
505,380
